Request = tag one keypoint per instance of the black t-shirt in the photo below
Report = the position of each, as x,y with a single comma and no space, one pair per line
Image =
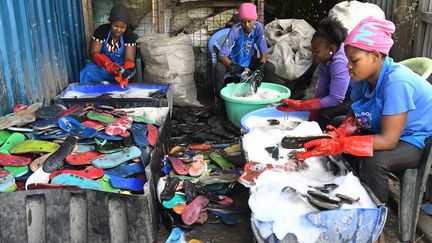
101,33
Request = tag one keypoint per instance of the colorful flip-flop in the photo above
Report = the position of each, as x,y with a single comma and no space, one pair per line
426,208
115,159
4,134
74,180
106,184
3,172
39,176
152,135
191,212
84,158
13,160
219,160
126,170
43,124
12,140
69,111
90,172
103,136
178,198
55,134
130,184
6,182
176,236
118,127
170,188
37,163
100,117
56,160
198,166
34,146
227,218
50,112
93,124
142,119
73,126
17,171
178,166
139,133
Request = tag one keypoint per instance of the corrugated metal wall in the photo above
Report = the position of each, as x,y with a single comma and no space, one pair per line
42,49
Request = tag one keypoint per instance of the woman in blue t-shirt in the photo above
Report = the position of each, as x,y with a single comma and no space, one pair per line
391,112
112,50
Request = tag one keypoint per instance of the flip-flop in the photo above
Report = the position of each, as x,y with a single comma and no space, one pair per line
178,166
109,147
145,155
90,172
170,188
296,142
152,135
142,119
17,171
56,160
74,180
50,112
223,178
139,133
198,166
126,170
43,124
13,160
203,146
84,158
202,217
219,160
118,158
69,111
178,209
227,218
34,146
73,126
50,186
176,236
235,148
426,208
6,182
100,117
118,127
58,133
11,188
14,139
20,118
191,212
4,134
130,184
85,147
37,163
38,176
3,172
93,124
103,136
178,198
19,107
106,185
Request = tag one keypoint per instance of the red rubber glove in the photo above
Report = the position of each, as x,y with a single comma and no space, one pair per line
103,61
355,145
120,77
348,128
299,105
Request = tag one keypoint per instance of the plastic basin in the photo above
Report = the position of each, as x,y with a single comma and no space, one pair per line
271,113
236,107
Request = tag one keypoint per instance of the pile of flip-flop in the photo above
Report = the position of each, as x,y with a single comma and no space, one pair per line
99,148
200,170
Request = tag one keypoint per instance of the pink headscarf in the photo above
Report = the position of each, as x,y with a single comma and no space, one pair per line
372,34
248,11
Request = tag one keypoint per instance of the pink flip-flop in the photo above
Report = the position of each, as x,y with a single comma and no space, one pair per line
178,166
118,127
198,165
152,134
192,211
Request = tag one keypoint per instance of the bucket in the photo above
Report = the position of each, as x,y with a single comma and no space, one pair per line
236,107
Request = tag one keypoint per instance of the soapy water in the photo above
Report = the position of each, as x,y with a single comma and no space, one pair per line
261,94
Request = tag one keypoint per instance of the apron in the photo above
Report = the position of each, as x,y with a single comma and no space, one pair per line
92,73
368,110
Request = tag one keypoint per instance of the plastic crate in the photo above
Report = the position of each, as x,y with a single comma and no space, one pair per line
68,215
98,90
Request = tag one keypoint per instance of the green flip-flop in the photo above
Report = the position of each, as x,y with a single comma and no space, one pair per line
17,171
178,198
14,139
34,146
106,185
219,160
4,134
144,119
11,188
97,116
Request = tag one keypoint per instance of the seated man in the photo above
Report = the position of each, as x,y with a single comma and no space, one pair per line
236,52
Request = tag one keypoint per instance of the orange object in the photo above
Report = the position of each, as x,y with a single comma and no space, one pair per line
175,149
204,146
178,209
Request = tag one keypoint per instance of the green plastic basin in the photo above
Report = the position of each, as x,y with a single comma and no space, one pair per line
236,107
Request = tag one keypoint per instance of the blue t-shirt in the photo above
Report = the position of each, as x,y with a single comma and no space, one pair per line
403,91
239,46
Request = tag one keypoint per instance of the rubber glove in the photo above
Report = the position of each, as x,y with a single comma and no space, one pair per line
235,68
103,61
348,127
299,105
355,145
122,76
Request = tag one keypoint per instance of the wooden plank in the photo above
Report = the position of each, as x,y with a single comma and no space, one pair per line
426,17
161,16
87,11
421,29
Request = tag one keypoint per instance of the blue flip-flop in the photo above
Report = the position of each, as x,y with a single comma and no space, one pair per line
126,170
103,136
139,133
53,135
73,126
130,184
227,218
176,236
426,208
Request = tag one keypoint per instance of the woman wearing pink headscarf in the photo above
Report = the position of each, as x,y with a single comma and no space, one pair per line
236,53
391,114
